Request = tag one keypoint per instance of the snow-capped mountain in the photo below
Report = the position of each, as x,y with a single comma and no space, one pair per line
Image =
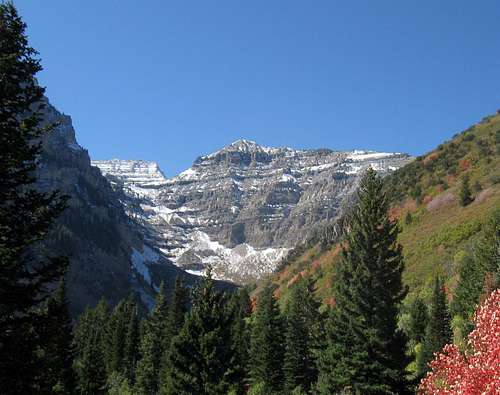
240,209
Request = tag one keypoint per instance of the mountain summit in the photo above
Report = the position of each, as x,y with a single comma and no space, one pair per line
241,208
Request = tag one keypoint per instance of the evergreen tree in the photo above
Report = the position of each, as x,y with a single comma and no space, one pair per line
56,372
365,350
302,317
465,192
177,311
438,332
25,214
200,355
469,288
115,338
153,347
240,310
178,308
418,320
478,274
487,251
89,348
132,339
121,340
266,343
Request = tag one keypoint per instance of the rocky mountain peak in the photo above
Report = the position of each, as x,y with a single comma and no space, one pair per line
242,207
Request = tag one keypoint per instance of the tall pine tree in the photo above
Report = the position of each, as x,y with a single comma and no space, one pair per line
239,308
152,347
89,345
25,214
266,343
365,350
56,372
200,355
302,317
418,320
179,306
438,332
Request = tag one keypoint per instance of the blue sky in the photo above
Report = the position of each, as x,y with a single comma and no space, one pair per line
171,80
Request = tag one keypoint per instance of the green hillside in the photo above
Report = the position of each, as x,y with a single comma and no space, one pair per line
437,231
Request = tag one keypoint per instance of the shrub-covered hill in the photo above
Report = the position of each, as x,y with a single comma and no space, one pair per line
438,230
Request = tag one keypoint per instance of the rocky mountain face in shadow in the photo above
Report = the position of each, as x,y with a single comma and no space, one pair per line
109,256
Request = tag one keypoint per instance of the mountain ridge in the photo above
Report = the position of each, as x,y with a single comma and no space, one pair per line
242,207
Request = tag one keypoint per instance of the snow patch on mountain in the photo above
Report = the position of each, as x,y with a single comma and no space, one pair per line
240,262
140,261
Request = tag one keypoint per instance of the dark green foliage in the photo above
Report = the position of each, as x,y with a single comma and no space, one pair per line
487,251
266,345
365,350
301,338
131,345
200,355
438,332
239,309
478,274
89,343
25,214
179,306
56,371
122,337
469,288
419,317
465,193
152,347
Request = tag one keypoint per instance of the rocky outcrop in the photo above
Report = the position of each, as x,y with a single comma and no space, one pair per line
109,256
241,208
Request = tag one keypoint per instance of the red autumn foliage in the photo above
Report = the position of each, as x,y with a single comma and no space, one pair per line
464,164
475,372
429,158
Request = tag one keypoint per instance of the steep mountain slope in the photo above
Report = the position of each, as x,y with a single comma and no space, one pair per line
108,254
436,229
241,209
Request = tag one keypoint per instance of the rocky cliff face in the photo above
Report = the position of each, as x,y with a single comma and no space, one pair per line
243,207
109,256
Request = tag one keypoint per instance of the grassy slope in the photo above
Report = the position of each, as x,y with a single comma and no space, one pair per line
441,230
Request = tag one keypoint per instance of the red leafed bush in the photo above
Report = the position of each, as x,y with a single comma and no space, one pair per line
477,372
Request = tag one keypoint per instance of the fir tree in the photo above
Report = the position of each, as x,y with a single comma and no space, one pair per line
240,310
478,274
300,338
200,355
177,311
26,215
465,192
115,339
487,251
365,350
152,347
418,320
56,372
178,308
469,288
438,332
266,343
132,338
89,347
